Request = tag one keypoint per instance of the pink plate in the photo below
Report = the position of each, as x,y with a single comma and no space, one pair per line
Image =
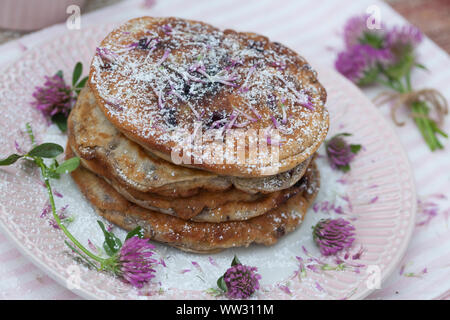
380,189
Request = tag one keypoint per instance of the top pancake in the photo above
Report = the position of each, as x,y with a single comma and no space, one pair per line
108,153
155,77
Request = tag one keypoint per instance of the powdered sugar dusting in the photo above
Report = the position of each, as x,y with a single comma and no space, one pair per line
204,276
23,197
155,76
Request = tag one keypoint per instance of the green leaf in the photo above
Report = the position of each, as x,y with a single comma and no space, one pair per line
401,68
10,160
235,261
77,73
345,168
355,148
421,66
369,77
50,170
82,83
46,150
60,120
53,174
55,164
108,249
112,244
345,134
60,74
138,231
372,39
68,165
221,284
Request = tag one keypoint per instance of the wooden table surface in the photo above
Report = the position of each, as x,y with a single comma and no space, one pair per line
431,16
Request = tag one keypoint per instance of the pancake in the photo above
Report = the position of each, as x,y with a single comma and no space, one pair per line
248,210
207,206
160,80
111,155
201,237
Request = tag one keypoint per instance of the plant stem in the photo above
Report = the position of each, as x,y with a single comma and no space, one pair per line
408,80
386,83
30,134
400,87
41,164
425,125
81,255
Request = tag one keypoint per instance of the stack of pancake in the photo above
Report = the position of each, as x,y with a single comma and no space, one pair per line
157,84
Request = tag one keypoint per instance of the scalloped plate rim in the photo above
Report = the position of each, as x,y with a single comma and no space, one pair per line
395,261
